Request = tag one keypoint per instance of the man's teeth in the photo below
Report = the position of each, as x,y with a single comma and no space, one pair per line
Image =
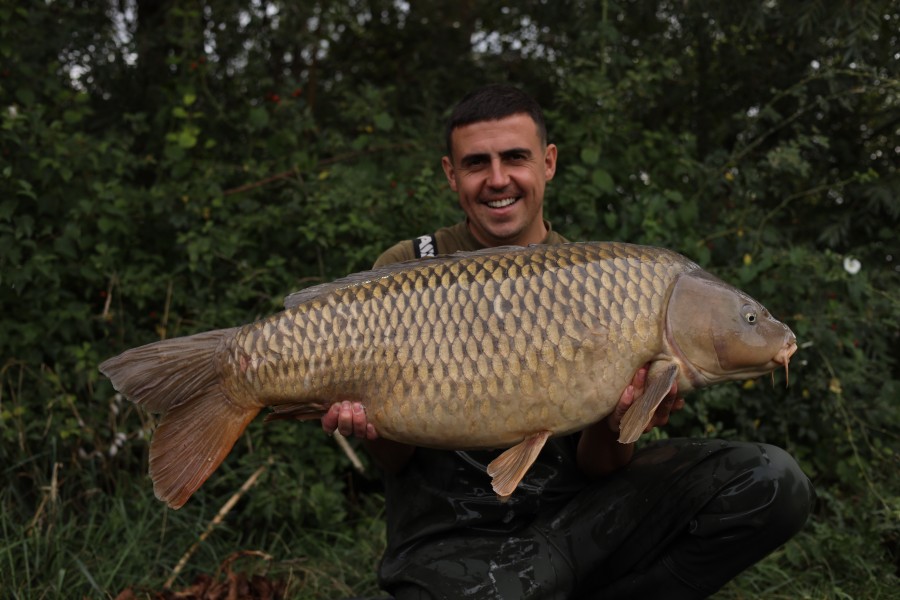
501,203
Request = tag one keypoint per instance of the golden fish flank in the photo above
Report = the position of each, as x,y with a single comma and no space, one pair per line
491,349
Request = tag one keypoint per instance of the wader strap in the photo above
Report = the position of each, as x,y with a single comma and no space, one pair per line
424,246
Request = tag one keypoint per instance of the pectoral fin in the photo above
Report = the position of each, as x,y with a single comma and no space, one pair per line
508,469
636,419
306,410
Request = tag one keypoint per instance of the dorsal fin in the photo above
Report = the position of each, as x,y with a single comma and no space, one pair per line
323,289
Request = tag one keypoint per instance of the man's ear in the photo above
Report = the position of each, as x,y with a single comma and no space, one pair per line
450,172
550,161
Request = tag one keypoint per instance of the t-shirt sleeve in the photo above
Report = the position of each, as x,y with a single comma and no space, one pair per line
396,253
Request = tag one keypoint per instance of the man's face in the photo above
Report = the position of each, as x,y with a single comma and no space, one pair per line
499,170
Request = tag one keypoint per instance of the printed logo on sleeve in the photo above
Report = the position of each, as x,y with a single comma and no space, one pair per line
425,245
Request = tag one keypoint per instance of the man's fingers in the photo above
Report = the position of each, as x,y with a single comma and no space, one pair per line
330,419
345,419
640,378
350,419
626,399
360,420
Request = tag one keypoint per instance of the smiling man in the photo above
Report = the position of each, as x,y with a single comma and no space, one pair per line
593,518
499,170
498,162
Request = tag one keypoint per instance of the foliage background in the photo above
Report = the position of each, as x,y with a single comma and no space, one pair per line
171,167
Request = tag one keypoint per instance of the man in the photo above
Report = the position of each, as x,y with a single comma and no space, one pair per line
592,518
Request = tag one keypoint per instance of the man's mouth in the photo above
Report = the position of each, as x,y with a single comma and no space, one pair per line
502,202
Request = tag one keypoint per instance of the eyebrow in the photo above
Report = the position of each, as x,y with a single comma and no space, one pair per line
470,159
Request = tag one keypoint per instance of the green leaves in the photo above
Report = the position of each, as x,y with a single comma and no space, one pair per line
603,181
384,121
258,117
184,139
590,156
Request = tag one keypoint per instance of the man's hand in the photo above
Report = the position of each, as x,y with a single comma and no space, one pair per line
350,419
669,404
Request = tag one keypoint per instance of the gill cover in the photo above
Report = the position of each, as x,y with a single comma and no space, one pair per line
719,332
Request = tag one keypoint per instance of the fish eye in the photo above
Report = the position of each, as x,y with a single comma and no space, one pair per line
750,317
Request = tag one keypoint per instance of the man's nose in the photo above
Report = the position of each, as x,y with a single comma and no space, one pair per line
499,178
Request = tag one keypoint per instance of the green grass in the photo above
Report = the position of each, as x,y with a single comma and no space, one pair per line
95,545
781,576
76,527
61,543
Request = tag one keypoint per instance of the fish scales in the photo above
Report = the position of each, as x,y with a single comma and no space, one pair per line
488,349
484,339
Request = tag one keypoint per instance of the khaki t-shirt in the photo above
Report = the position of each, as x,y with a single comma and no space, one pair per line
449,240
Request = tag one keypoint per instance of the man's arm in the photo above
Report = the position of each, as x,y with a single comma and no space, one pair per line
599,451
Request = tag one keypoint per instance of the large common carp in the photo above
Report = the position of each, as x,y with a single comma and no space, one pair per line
500,348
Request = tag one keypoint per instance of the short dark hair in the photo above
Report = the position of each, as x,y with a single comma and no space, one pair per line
492,103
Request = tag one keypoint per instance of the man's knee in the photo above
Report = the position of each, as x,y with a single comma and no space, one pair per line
769,492
765,500
793,492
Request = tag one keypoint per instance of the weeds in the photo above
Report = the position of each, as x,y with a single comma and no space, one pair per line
127,539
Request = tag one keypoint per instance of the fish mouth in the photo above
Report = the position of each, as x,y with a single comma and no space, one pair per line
783,357
698,376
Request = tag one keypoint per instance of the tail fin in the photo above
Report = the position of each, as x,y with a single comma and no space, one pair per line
200,423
